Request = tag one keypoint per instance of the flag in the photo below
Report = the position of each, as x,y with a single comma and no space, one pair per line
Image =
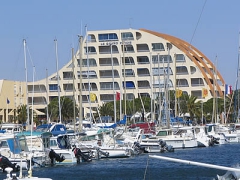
8,102
204,92
228,89
118,96
178,93
92,97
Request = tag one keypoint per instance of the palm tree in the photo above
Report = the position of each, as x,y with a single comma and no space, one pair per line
22,114
189,105
66,108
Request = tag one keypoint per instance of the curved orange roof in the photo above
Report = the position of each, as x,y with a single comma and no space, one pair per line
197,57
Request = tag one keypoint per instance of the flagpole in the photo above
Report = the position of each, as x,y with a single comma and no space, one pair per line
7,112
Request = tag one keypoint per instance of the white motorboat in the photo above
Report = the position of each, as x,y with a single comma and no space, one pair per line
203,139
16,150
183,138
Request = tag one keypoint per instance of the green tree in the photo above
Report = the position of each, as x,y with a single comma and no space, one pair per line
22,115
188,104
107,109
66,109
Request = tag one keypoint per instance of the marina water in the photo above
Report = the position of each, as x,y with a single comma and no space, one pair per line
142,167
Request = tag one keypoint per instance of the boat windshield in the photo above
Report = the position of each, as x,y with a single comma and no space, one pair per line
181,131
42,129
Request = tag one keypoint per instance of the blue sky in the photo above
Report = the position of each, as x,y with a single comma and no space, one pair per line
40,22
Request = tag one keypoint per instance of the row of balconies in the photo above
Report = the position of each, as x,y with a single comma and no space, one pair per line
141,84
106,97
92,62
128,73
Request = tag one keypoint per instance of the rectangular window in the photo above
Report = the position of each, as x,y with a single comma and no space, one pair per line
108,37
127,36
161,59
180,58
53,87
128,72
157,47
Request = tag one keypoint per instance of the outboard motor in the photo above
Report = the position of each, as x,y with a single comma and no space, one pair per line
138,148
4,163
54,156
106,154
213,140
79,154
165,147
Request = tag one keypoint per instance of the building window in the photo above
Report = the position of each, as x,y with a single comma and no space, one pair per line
161,59
127,36
91,49
180,58
87,74
128,60
129,85
142,60
128,72
91,61
128,48
108,85
108,37
181,70
157,47
161,71
53,87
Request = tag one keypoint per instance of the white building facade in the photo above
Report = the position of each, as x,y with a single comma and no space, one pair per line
107,61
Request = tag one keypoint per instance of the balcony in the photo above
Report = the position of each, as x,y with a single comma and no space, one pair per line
182,83
142,48
108,62
109,86
108,74
143,60
143,85
85,87
37,89
143,72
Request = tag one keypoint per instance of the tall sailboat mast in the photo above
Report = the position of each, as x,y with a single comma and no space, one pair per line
80,83
160,118
47,98
59,103
169,46
214,113
114,93
151,82
175,86
236,96
88,71
74,102
26,78
124,79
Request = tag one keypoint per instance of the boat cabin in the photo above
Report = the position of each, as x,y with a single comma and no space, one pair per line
11,128
55,129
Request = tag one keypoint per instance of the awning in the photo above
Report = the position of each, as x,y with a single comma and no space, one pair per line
39,112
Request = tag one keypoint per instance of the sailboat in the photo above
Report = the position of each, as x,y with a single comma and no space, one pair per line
31,155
